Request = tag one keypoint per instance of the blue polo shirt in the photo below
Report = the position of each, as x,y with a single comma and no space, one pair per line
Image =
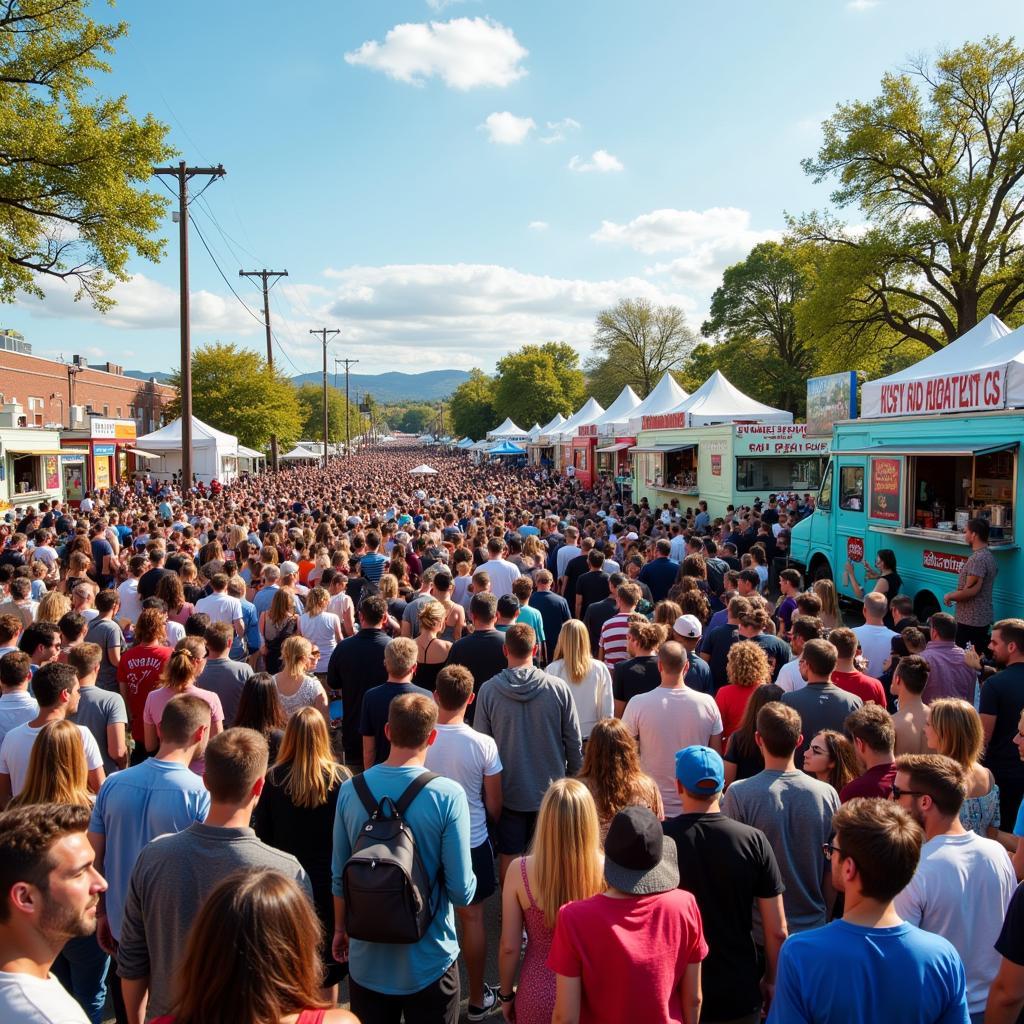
439,819
659,575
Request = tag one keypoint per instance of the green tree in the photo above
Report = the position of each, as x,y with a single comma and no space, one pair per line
310,398
635,342
72,205
538,381
418,419
472,406
754,309
234,390
935,165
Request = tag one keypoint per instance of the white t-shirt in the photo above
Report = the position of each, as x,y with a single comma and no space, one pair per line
790,679
17,748
664,721
25,999
876,643
464,755
592,695
961,889
503,574
321,631
221,608
131,603
341,603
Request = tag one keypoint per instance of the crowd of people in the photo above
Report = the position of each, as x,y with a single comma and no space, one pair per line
277,746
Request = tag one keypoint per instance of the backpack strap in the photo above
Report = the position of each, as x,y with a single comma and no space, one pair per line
365,796
412,791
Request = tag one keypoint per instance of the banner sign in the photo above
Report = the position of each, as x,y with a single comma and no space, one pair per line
716,465
954,392
830,398
663,421
777,439
943,562
121,430
590,430
886,477
103,449
101,472
50,472
855,549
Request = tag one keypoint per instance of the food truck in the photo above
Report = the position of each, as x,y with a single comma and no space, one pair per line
722,447
937,444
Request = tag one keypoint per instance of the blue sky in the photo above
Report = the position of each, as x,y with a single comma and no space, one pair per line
446,181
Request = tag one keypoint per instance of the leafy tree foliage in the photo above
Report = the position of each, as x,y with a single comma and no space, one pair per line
538,381
310,398
472,406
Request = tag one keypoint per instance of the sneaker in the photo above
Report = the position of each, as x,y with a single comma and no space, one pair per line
490,1002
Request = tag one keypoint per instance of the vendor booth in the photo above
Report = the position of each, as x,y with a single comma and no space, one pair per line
214,453
112,454
251,461
508,431
577,441
542,448
507,450
613,463
32,462
667,394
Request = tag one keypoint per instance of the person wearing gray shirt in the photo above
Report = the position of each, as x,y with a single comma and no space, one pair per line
105,632
224,677
820,704
175,873
103,713
795,812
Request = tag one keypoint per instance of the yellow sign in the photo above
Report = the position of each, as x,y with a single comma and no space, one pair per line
101,471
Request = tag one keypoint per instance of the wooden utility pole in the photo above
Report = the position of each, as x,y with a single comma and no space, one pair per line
324,333
264,275
182,173
348,363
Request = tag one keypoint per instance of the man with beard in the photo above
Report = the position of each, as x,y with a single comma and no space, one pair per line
49,894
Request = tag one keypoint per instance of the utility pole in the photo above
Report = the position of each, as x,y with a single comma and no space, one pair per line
323,333
348,363
182,173
264,275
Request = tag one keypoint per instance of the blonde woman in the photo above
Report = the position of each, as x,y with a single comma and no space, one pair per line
53,606
185,666
296,687
431,650
953,727
565,863
57,771
321,628
296,814
831,617
747,668
590,681
277,624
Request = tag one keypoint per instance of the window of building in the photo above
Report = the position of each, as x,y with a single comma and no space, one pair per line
35,411
119,412
851,488
27,476
767,474
106,410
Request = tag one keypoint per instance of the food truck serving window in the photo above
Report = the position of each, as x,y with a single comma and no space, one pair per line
767,474
851,488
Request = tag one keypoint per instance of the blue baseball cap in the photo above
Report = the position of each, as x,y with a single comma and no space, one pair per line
700,770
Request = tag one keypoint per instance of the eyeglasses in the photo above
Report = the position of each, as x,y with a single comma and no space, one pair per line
897,792
828,849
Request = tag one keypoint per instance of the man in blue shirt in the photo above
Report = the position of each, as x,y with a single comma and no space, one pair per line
660,573
373,564
420,979
871,965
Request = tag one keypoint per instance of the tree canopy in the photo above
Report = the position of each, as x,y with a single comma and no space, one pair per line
635,342
935,166
310,398
472,406
536,382
72,200
234,390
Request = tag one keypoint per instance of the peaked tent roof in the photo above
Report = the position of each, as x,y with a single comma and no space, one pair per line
620,410
250,453
584,416
466,442
990,345
507,429
718,401
299,452
666,394
533,432
168,437
554,425
423,470
506,448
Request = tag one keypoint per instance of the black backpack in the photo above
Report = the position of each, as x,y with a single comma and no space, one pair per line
388,895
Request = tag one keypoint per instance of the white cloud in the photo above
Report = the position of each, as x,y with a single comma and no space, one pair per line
507,129
440,5
600,161
559,129
861,5
539,225
707,241
464,53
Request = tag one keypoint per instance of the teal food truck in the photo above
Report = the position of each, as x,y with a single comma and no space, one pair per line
937,444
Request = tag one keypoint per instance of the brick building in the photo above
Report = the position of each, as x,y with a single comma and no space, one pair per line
53,393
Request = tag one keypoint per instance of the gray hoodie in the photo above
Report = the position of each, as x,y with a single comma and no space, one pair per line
533,720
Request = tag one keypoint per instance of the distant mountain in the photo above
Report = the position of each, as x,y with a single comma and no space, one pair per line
430,386
394,386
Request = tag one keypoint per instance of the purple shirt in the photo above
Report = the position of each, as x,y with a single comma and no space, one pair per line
950,675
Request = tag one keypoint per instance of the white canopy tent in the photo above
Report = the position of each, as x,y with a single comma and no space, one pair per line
533,433
718,401
666,394
508,431
214,453
583,417
251,459
423,470
616,417
302,452
553,426
982,369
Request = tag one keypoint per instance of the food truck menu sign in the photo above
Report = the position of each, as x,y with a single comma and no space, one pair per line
830,398
955,392
777,439
885,489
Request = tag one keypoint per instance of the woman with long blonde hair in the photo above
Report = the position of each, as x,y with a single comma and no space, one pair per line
611,771
589,680
52,607
296,686
321,628
57,771
185,666
277,624
296,814
831,617
565,863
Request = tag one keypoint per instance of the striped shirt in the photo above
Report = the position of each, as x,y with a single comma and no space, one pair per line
372,566
613,639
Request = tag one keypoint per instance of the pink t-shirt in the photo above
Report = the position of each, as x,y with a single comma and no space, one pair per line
650,939
159,699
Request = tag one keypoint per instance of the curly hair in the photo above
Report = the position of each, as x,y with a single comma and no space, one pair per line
611,767
747,665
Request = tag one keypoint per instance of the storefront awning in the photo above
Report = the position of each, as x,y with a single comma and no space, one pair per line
931,449
661,449
145,455
48,451
619,446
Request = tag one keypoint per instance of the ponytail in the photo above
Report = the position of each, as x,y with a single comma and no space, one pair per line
185,663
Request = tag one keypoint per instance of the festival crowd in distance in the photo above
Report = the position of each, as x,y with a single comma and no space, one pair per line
280,751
